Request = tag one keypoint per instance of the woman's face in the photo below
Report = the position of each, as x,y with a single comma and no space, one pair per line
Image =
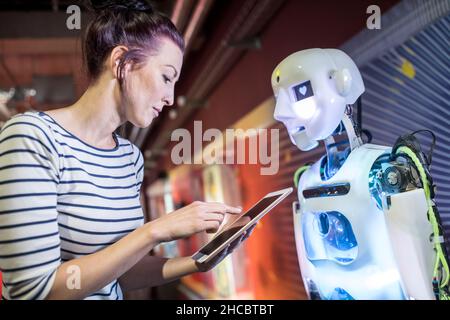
150,87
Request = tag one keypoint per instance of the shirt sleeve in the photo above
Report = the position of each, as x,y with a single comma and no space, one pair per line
139,167
29,236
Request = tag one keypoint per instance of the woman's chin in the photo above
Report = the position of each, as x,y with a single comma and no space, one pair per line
147,123
143,122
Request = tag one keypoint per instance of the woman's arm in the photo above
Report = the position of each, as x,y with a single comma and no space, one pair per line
154,271
96,270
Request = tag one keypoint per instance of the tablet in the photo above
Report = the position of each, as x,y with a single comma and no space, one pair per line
235,230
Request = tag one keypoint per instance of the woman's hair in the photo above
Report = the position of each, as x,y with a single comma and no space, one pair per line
133,24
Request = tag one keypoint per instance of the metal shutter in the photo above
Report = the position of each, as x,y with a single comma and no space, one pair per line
408,88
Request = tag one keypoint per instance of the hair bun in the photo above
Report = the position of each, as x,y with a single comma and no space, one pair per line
135,5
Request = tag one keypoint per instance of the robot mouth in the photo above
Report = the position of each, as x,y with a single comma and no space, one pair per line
296,130
302,141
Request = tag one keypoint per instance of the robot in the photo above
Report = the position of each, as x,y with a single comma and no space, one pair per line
366,226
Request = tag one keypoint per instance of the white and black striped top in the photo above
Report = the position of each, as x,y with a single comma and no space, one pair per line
61,199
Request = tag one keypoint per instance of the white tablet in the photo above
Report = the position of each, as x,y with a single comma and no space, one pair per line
235,230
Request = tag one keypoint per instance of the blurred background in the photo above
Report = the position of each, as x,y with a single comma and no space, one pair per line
232,47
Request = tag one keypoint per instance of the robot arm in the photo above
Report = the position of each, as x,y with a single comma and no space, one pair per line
404,188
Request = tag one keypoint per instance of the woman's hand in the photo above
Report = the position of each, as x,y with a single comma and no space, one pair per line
206,266
196,217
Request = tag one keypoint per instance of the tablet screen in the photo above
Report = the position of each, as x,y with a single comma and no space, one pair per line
238,224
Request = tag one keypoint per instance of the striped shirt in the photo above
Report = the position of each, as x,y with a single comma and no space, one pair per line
61,199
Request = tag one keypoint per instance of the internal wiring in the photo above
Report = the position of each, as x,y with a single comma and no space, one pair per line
433,144
441,272
298,173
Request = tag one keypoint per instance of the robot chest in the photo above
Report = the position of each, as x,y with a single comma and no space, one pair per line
335,214
348,190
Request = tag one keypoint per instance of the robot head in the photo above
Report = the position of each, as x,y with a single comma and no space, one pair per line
312,88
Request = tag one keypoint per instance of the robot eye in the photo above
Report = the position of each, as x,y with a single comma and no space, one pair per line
278,79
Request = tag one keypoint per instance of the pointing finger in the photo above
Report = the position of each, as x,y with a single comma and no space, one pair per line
233,210
222,208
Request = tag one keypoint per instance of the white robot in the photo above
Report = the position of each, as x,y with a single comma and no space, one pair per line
366,225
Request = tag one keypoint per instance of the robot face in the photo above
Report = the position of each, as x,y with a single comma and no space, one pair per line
295,107
312,88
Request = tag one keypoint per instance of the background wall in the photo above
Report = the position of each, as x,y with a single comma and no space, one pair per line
408,89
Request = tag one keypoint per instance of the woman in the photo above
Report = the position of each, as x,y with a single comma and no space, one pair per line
71,224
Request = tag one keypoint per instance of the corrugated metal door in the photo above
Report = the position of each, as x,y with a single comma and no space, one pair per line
408,88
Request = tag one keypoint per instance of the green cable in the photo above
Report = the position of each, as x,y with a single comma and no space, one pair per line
440,256
298,173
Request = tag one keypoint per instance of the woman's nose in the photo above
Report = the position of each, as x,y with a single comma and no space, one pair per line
168,100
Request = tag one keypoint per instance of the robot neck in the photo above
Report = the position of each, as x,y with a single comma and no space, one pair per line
338,145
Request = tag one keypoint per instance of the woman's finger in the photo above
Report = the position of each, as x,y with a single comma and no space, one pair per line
211,226
222,208
236,241
214,217
233,210
249,231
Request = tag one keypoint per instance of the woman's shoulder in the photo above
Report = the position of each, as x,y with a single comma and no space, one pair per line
28,123
28,133
136,152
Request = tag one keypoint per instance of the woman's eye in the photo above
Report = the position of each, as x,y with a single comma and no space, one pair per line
166,79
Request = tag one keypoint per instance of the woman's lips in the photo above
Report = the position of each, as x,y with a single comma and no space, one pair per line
155,111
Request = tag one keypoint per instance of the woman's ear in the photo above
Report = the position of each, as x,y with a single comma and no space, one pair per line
115,60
